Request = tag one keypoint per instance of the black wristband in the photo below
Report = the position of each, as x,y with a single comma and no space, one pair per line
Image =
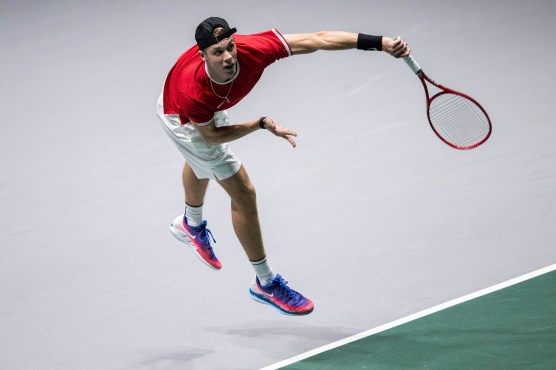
369,42
261,122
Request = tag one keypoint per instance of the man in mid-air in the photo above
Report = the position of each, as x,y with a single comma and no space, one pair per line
209,78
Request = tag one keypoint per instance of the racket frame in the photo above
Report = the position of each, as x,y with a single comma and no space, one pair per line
444,90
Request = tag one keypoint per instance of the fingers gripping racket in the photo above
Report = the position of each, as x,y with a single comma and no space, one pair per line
456,118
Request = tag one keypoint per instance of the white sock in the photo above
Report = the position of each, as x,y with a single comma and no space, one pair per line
194,215
264,271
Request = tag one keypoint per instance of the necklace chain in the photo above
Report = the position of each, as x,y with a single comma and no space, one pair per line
222,97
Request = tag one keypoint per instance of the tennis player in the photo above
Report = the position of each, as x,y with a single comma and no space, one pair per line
209,78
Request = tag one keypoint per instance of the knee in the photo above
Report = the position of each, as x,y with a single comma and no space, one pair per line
245,195
248,192
241,189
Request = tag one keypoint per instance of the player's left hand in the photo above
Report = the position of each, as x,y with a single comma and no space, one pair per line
280,131
397,48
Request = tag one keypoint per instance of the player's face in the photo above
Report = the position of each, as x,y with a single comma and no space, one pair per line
221,59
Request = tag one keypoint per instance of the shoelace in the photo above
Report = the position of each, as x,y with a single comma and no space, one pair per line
205,235
289,293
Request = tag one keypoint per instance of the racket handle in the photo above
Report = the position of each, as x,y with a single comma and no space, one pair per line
412,64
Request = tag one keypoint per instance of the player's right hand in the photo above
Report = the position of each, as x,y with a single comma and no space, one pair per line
397,48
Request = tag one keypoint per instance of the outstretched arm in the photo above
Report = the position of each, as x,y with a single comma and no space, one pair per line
304,43
219,135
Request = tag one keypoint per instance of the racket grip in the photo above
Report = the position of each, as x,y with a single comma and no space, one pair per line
412,64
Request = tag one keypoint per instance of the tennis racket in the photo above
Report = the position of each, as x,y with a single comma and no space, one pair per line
456,118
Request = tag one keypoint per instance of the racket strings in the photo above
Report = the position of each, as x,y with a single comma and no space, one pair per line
458,120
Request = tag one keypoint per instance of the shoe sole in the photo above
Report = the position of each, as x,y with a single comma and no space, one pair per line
258,298
185,239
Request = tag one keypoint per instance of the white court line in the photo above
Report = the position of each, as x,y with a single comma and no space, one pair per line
412,317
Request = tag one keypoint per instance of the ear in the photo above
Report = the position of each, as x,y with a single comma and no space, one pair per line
202,55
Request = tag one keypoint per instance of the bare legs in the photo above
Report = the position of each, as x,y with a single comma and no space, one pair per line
245,217
195,189
245,220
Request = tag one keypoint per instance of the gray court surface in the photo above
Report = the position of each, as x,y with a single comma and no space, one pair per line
371,215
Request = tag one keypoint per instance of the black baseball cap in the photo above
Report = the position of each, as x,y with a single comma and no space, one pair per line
204,32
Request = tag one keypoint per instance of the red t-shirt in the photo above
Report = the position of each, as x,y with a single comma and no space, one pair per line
188,91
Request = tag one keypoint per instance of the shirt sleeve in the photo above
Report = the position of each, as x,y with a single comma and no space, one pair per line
267,47
282,47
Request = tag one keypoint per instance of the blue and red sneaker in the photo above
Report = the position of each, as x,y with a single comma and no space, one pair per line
280,296
197,238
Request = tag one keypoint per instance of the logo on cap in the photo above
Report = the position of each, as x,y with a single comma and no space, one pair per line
204,33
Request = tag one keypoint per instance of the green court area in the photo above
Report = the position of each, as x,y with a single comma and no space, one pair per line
511,328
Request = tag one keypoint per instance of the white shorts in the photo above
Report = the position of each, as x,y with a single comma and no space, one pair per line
207,161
